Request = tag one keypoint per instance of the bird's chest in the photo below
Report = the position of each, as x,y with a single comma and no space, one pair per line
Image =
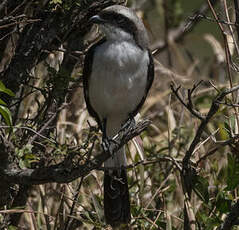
118,79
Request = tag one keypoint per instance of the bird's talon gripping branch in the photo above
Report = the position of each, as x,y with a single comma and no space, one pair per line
128,125
108,144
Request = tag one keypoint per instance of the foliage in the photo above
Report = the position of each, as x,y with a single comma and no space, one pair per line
187,175
4,111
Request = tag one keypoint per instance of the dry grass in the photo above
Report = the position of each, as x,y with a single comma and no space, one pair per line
158,194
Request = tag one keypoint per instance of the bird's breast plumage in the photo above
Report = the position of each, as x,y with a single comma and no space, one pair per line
118,80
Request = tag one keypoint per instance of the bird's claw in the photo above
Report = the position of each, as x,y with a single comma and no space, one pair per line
108,144
128,125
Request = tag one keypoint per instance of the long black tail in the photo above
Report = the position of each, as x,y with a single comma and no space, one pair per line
116,198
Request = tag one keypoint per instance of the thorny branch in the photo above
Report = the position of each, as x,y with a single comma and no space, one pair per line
214,20
219,144
188,172
204,119
183,29
63,172
188,105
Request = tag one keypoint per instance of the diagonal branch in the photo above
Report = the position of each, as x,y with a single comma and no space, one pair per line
62,173
213,109
189,105
183,29
188,172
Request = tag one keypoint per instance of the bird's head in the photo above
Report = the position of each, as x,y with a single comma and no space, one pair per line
121,23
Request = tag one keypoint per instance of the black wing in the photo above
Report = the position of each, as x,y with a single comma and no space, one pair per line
86,78
150,79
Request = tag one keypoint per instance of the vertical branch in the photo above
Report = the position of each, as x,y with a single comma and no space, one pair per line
236,5
227,53
166,30
228,60
69,219
188,173
230,26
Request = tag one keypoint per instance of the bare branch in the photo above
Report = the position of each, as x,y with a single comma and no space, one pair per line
213,109
236,5
219,145
188,172
62,172
183,29
189,105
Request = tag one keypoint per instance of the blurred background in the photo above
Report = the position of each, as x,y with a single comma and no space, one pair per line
45,122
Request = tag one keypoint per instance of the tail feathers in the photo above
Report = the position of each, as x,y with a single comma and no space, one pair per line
116,198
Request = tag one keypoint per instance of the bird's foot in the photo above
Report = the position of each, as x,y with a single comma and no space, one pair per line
128,125
108,145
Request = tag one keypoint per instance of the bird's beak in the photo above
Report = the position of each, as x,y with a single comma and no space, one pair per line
96,19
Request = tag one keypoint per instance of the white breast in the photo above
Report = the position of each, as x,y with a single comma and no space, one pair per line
117,82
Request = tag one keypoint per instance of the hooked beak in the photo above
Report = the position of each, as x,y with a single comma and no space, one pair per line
96,19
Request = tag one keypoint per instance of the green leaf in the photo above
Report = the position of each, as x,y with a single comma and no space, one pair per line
6,114
207,222
56,2
211,223
22,164
201,188
223,203
224,132
2,102
6,90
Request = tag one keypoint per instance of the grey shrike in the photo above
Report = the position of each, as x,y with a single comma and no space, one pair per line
118,73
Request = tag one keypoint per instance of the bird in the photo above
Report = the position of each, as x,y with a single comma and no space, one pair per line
118,72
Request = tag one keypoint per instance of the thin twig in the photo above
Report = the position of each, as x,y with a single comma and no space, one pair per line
11,18
230,26
188,172
219,145
64,174
182,30
31,140
189,105
236,5
73,204
30,129
213,109
214,20
16,23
